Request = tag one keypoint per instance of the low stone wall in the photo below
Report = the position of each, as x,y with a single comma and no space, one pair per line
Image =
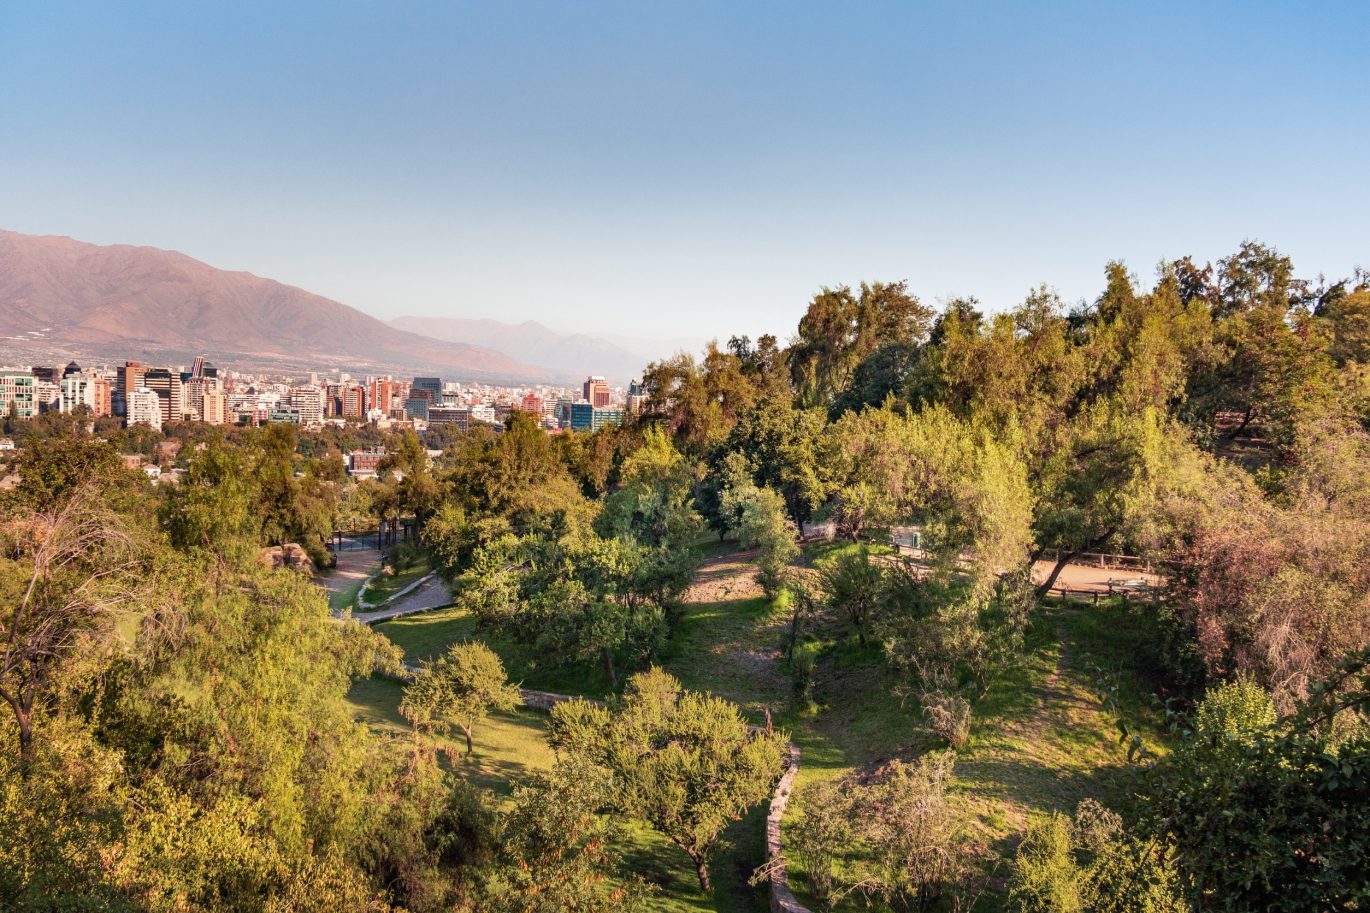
546,700
782,899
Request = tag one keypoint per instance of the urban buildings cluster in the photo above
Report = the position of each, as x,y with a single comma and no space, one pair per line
159,395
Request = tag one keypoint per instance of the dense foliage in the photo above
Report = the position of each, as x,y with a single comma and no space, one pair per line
175,733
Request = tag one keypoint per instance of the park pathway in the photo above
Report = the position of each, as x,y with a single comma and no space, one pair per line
429,593
353,567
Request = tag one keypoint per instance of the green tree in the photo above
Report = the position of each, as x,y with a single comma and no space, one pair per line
842,329
67,571
556,850
459,689
1262,816
854,585
685,763
758,517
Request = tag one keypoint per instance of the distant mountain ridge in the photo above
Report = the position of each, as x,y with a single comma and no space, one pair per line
61,298
571,356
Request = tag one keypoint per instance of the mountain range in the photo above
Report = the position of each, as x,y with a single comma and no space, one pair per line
61,299
572,355
64,299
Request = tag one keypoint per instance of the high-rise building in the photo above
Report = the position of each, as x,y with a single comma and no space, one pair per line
596,391
429,388
416,406
129,378
309,401
167,385
532,403
637,395
17,393
104,397
76,390
582,417
47,395
145,408
193,393
354,401
380,394
213,408
606,418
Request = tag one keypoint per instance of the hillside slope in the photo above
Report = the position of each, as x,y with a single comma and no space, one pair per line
65,298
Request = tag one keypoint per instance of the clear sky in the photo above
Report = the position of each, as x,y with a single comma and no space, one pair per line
693,168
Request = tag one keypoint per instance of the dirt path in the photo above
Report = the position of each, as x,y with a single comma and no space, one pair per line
725,577
353,567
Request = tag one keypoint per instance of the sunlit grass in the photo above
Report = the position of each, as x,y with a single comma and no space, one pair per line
382,587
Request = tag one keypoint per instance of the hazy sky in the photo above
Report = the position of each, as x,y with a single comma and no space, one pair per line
693,169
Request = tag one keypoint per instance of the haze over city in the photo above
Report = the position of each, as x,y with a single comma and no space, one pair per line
683,171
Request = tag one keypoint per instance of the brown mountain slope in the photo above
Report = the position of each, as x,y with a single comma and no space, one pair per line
60,297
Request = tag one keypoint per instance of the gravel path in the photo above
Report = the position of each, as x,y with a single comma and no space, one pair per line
431,594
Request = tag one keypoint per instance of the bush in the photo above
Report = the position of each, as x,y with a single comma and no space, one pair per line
948,715
802,664
899,838
1090,865
824,828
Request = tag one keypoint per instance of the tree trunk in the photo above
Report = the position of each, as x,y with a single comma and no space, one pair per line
702,871
24,718
1062,560
609,666
1246,420
470,748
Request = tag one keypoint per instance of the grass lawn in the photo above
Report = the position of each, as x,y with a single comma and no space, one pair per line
429,634
1040,741
382,587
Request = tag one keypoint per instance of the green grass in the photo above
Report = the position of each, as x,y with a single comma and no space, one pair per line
508,746
429,634
345,599
381,587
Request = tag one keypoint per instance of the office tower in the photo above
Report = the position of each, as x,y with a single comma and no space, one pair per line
429,388
129,378
596,391
18,392
167,385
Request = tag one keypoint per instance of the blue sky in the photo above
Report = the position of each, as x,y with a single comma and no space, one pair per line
687,169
